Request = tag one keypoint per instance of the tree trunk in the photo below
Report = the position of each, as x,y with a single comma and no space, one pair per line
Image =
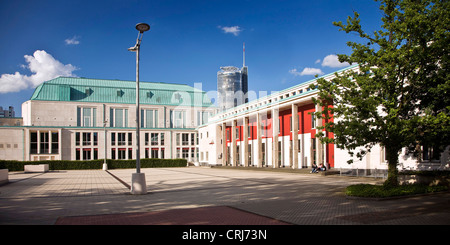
392,158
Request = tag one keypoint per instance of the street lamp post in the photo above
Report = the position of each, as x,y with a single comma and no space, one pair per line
105,165
138,184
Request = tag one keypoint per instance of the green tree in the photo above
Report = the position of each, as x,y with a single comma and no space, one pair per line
399,96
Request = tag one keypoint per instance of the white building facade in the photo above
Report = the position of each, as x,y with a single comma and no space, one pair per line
87,119
278,131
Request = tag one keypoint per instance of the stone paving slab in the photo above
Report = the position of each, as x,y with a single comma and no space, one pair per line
216,215
305,199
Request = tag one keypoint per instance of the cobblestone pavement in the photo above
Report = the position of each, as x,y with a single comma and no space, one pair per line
198,194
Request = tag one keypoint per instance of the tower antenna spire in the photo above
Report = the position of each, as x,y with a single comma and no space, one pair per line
243,55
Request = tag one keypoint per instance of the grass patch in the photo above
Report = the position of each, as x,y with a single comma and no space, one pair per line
379,191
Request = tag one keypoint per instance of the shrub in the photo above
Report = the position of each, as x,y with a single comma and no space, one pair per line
94,164
367,190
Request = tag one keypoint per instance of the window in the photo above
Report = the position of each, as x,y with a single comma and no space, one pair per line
162,138
249,154
192,138
154,153
202,117
55,144
33,143
185,139
185,153
44,143
263,128
146,138
95,138
86,117
121,153
291,123
130,138
154,138
430,153
130,153
113,139
149,118
118,117
121,139
177,119
177,138
86,138
313,121
87,154
279,125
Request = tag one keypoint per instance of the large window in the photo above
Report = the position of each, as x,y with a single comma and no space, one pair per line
149,118
118,117
86,117
202,117
44,142
177,119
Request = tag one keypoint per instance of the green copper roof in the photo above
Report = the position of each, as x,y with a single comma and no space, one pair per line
116,91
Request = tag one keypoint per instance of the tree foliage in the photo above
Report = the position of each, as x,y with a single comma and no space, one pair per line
399,96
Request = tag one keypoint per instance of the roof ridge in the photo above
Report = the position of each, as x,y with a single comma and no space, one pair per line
119,80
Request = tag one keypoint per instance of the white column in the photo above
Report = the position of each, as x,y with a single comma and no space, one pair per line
224,144
319,145
259,141
245,148
294,123
233,144
275,129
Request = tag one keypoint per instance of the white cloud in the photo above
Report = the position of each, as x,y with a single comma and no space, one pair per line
43,68
72,41
333,61
235,30
307,71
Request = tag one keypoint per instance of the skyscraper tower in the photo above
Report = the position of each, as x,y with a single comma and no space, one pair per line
232,85
244,76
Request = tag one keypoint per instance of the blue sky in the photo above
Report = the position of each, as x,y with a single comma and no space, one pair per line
286,42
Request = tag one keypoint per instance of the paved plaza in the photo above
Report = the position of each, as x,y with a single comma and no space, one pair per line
201,195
